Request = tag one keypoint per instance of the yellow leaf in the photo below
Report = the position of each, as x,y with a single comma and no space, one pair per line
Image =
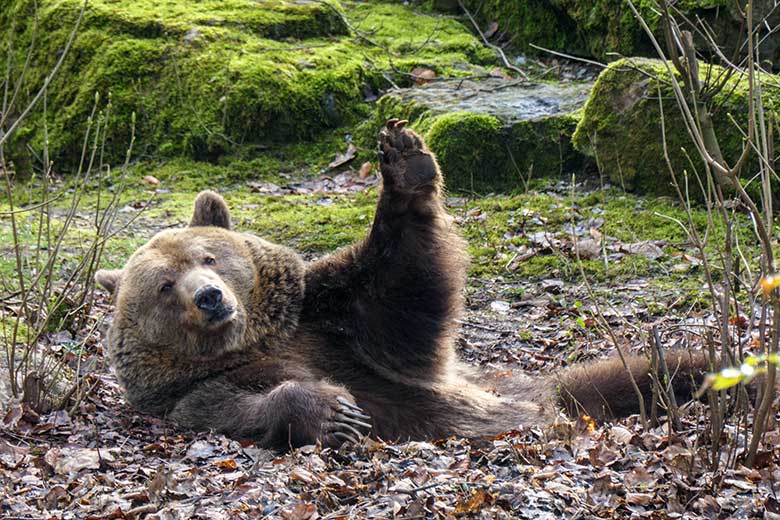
727,378
769,283
227,464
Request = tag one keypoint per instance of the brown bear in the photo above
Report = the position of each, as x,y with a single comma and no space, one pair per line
222,330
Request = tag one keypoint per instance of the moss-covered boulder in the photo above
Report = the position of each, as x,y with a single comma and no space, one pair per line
606,28
621,124
212,77
494,135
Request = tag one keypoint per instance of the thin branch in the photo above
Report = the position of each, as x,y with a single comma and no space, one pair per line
496,48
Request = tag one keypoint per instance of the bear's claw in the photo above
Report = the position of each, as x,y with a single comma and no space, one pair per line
346,425
355,408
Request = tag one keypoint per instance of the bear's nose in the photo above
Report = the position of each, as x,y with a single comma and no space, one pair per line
208,298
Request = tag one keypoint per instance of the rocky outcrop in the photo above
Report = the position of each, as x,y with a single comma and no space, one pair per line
621,125
494,135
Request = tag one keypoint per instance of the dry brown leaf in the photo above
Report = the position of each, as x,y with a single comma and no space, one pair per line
227,464
73,460
422,75
478,498
365,170
302,511
343,158
621,435
303,475
639,499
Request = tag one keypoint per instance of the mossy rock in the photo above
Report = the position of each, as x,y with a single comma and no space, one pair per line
606,28
211,78
494,135
621,125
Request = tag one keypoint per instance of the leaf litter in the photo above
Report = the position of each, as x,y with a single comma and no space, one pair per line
106,461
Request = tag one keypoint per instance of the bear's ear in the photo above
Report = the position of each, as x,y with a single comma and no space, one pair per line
210,210
108,279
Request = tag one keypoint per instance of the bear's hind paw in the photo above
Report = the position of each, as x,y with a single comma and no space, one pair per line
404,159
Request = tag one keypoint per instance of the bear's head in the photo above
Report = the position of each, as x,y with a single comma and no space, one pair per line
204,289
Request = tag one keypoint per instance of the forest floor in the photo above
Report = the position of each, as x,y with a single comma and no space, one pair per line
528,309
556,266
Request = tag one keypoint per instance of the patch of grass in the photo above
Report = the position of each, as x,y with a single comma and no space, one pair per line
495,226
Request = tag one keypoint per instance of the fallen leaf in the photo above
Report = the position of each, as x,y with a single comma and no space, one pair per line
639,499
646,248
302,511
422,75
158,484
588,248
621,435
302,475
478,498
227,464
72,460
344,158
200,450
365,170
639,477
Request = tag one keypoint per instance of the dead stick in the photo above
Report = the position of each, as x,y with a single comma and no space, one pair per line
496,48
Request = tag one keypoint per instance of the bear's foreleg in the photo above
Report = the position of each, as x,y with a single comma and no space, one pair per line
292,414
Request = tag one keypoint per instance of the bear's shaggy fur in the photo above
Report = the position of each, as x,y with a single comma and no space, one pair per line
223,330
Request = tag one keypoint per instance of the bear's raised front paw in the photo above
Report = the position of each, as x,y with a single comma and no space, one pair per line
404,159
348,423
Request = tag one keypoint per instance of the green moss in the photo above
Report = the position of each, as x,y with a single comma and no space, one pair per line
210,78
621,126
539,22
543,148
607,28
471,151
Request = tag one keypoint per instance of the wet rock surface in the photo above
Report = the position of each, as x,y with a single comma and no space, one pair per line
509,101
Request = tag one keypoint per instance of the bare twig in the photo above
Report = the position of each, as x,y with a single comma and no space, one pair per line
496,48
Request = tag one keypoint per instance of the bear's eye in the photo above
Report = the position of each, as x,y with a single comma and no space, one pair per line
209,260
166,287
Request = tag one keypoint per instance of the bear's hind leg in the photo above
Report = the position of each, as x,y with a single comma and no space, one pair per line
394,296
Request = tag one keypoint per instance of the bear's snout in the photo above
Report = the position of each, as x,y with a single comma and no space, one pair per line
208,298
214,303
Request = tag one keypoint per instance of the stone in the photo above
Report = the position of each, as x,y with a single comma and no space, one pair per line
495,134
620,126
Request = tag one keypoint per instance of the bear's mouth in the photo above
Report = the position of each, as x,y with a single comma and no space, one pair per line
221,315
